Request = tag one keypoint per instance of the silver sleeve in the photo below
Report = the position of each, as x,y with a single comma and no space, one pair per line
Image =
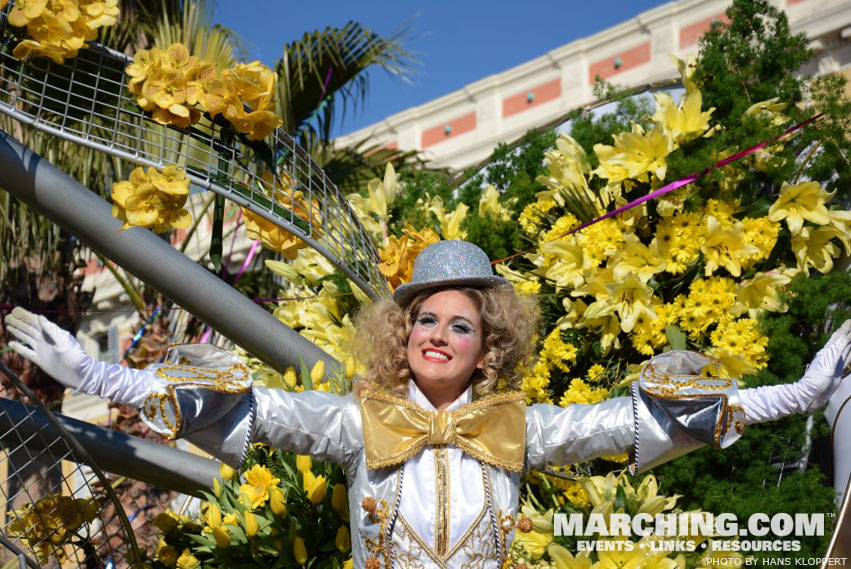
678,404
566,435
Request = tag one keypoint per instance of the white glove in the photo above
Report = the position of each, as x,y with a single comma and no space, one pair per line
57,352
810,392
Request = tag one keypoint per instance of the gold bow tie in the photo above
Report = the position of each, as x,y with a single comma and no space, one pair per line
491,429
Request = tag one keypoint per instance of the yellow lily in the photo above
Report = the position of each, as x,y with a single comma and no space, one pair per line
762,292
490,207
814,248
725,247
562,559
804,201
684,121
303,463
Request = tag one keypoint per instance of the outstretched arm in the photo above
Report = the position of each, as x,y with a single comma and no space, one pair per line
811,391
201,393
60,355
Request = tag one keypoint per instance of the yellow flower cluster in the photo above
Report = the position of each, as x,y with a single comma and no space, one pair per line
581,392
532,217
275,237
397,258
648,334
52,522
153,199
59,28
171,84
557,352
742,338
709,302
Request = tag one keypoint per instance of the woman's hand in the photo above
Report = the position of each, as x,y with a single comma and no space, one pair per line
47,345
60,355
810,392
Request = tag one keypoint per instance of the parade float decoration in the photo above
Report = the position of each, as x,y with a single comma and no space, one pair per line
703,266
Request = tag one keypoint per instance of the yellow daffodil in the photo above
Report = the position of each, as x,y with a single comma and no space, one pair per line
299,551
725,247
814,248
259,482
804,201
314,486
188,561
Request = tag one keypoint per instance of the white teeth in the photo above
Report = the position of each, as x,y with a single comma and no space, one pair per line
438,355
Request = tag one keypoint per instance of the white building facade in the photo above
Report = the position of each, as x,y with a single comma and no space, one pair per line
462,128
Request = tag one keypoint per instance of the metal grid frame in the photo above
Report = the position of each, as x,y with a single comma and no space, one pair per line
87,101
33,462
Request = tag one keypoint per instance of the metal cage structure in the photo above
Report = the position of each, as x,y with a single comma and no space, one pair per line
87,101
59,508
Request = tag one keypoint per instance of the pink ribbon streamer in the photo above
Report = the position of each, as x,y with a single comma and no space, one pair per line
248,260
678,183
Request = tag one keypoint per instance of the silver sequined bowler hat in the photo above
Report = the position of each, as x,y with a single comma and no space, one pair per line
448,263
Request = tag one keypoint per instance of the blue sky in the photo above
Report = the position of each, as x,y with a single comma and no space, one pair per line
456,42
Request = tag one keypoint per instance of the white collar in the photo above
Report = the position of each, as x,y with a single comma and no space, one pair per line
415,395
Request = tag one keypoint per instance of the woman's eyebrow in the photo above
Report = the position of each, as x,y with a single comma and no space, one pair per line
456,317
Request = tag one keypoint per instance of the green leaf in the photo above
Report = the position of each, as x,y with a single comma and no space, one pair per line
676,337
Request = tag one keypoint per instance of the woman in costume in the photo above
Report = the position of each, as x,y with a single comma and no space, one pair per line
436,438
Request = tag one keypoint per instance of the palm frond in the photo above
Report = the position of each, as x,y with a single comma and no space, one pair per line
327,69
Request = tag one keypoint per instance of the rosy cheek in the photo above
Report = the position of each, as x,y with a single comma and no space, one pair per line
464,343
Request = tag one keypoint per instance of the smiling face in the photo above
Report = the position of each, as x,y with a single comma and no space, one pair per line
445,345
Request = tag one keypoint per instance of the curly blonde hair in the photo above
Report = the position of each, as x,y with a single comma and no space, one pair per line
508,323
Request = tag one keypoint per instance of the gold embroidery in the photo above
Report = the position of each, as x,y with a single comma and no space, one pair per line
474,549
665,386
379,516
160,406
506,525
441,492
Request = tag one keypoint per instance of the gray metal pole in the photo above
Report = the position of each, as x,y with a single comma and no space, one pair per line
112,451
81,212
